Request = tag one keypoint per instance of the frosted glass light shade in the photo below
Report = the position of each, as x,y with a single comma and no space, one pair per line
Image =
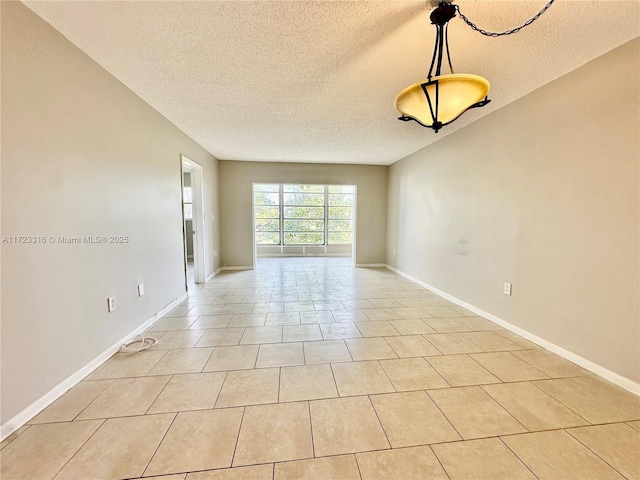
457,93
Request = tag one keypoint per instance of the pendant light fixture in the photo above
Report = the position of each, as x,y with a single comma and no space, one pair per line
441,99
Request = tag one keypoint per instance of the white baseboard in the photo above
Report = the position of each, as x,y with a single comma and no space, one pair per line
211,275
239,268
370,265
47,399
605,373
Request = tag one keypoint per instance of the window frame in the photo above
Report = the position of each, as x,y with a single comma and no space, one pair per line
325,219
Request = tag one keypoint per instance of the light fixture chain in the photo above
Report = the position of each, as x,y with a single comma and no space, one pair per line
507,32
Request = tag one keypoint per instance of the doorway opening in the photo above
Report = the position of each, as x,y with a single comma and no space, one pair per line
193,221
294,220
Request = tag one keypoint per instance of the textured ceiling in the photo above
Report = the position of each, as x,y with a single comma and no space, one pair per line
314,81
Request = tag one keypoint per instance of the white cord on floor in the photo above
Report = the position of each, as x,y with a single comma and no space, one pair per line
145,344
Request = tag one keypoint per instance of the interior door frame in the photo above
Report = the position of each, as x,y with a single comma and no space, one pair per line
198,218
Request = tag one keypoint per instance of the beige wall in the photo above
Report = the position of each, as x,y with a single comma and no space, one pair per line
82,155
544,194
236,179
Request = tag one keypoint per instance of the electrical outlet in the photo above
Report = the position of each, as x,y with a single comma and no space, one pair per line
111,304
394,251
507,288
140,289
215,253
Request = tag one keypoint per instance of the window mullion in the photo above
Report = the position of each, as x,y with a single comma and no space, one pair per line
281,208
326,215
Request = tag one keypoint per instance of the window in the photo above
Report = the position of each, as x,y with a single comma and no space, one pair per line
304,214
188,203
340,218
267,212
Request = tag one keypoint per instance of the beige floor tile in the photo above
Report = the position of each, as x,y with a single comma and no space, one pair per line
413,463
412,374
461,370
411,419
242,315
349,316
246,319
211,321
452,343
326,351
343,467
551,364
479,324
507,367
226,299
13,436
309,382
276,319
474,414
242,357
195,391
283,297
488,458
42,450
463,311
446,325
125,397
184,360
345,425
280,355
268,308
178,339
69,405
301,333
200,300
180,311
381,314
532,407
121,448
299,307
124,365
256,335
257,472
490,341
357,304
617,444
412,346
178,476
335,331
198,441
415,301
411,312
316,317
274,433
311,297
200,310
411,327
594,399
327,306
518,340
249,387
556,455
369,348
635,425
166,324
441,311
221,337
376,329
384,303
361,378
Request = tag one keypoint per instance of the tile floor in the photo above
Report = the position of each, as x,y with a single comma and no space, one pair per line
311,369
